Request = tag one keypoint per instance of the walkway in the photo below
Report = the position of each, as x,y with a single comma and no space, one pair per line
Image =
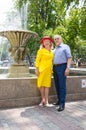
37,118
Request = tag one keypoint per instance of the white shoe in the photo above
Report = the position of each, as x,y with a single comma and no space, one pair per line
48,105
41,104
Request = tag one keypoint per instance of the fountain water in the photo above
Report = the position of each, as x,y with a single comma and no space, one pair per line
24,15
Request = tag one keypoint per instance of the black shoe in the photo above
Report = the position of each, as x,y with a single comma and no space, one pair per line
60,108
56,103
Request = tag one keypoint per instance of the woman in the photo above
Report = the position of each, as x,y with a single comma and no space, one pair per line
44,68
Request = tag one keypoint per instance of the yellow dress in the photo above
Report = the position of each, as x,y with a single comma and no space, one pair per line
44,60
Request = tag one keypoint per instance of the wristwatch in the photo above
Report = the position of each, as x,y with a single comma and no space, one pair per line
68,67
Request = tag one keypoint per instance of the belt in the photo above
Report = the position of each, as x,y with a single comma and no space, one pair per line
59,64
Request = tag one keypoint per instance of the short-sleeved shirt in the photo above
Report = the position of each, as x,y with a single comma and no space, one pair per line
61,54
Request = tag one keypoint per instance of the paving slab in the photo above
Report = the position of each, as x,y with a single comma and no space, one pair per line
45,118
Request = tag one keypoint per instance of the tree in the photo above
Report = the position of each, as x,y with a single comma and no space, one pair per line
82,20
50,17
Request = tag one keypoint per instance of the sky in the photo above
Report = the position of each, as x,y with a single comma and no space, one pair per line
5,6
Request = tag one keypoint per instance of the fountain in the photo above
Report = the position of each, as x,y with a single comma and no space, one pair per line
18,40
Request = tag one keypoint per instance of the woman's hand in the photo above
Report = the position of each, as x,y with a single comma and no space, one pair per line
37,71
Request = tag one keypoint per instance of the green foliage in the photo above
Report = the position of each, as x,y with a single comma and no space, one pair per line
33,44
82,19
19,3
50,17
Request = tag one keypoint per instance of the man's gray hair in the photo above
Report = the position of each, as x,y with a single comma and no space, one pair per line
57,36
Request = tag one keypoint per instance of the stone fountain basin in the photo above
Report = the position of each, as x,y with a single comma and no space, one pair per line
20,92
73,71
78,71
18,40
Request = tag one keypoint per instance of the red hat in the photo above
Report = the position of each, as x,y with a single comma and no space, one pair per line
46,38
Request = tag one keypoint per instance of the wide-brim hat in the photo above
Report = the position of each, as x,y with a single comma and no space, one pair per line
46,38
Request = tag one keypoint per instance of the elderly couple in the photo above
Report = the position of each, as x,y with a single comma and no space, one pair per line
57,61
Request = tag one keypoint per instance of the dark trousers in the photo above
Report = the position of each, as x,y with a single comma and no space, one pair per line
60,83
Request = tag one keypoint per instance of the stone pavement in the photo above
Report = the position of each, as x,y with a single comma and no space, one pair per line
43,118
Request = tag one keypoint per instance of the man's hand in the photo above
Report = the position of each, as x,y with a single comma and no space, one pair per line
68,66
67,71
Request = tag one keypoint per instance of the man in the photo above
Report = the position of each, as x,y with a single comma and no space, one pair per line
61,67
